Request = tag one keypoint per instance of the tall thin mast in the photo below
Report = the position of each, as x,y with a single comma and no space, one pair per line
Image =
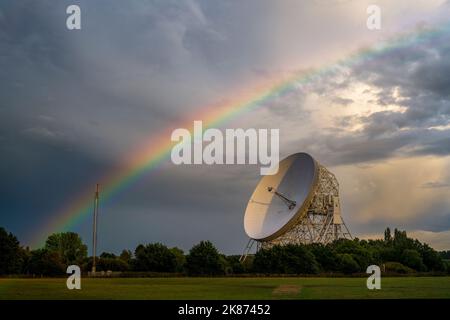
94,229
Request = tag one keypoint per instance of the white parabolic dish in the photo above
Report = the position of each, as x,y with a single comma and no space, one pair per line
267,216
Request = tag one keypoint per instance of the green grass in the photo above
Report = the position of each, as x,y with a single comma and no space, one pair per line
225,288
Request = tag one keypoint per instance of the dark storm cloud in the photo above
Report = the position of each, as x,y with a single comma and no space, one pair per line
136,77
182,206
74,103
40,170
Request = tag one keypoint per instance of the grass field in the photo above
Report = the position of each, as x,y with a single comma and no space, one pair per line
225,288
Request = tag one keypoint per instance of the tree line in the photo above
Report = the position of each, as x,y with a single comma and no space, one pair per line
396,253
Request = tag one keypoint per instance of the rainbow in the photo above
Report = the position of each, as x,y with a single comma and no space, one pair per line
149,155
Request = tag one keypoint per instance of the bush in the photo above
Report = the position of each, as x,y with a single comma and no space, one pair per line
106,264
397,267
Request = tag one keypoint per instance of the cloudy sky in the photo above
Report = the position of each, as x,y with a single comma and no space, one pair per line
74,104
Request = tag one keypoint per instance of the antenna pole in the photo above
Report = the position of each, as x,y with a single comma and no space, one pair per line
94,230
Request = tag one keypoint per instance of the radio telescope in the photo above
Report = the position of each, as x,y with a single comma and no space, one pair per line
298,205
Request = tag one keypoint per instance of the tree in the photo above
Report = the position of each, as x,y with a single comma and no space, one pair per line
11,255
299,260
68,246
46,263
387,235
347,264
25,257
112,264
179,257
411,258
325,256
288,259
268,260
401,240
126,256
359,253
432,259
204,259
445,254
388,254
154,257
236,266
447,266
108,255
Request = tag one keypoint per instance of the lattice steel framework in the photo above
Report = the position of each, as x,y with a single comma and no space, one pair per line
322,221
